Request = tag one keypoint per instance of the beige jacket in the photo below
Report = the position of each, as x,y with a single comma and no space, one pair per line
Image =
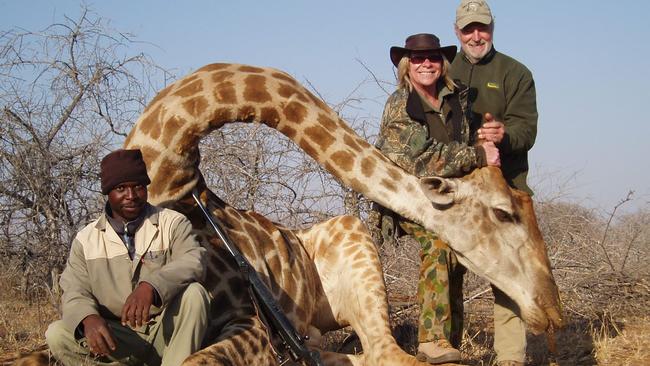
99,274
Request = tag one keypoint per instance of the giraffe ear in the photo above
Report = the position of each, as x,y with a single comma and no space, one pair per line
440,191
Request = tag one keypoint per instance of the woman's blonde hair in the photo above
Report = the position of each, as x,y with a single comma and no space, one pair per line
404,81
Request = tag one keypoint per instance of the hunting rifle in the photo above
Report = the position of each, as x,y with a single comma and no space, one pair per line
276,320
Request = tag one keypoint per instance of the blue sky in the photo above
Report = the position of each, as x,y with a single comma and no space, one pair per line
589,58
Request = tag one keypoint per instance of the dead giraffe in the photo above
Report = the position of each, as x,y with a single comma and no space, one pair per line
328,276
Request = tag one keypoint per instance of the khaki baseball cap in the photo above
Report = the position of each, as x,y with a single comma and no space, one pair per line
470,11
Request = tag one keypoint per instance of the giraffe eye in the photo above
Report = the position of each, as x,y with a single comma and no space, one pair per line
503,215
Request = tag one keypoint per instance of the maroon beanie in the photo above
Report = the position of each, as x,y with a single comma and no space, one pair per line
123,166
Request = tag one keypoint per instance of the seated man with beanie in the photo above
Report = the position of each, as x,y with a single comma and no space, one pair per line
130,287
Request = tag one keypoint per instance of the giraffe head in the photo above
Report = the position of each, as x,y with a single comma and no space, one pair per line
502,241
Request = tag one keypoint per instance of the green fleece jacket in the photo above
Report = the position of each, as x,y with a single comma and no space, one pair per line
504,87
99,274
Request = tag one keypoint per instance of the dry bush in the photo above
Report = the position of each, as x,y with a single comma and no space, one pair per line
68,93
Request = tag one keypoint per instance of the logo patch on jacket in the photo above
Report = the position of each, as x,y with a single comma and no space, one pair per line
492,85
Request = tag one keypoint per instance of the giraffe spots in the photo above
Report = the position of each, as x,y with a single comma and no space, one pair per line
358,186
225,93
368,165
129,137
356,237
359,256
352,142
196,106
286,302
348,222
389,185
182,178
150,124
254,348
285,77
170,129
222,301
219,116
394,174
331,168
245,114
410,188
288,131
214,67
320,136
255,90
326,122
189,87
300,313
287,91
270,117
295,112
263,223
343,160
252,69
166,169
221,76
149,154
319,103
337,238
345,127
189,140
307,147
163,93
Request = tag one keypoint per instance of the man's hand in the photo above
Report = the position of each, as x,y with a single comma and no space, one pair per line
491,130
491,154
136,307
100,340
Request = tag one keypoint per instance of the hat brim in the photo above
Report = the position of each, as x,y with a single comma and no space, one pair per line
396,53
476,18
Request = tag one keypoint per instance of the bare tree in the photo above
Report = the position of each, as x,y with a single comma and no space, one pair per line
68,93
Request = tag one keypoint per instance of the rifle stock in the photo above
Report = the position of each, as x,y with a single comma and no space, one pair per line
292,341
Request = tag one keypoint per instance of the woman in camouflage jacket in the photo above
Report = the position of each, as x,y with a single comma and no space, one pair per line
425,130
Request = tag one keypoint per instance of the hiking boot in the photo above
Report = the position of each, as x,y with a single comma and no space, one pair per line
510,363
439,351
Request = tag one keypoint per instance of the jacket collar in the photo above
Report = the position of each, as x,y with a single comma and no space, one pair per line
150,215
414,102
414,107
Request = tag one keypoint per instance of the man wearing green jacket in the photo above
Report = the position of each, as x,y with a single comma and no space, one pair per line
504,111
130,287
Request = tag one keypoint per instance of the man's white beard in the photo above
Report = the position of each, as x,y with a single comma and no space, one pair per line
475,56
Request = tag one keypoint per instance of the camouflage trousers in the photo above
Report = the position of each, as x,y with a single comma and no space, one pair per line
440,288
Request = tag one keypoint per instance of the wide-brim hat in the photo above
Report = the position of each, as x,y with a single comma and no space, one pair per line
421,42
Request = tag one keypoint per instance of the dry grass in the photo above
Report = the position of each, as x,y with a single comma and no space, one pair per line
23,321
628,344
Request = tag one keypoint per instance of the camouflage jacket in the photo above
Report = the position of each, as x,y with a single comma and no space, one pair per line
406,139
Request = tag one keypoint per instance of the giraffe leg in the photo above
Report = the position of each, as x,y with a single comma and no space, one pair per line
241,343
350,269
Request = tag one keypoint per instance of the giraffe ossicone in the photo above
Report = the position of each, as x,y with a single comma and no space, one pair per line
327,276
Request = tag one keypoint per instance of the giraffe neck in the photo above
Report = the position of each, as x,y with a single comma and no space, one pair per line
169,131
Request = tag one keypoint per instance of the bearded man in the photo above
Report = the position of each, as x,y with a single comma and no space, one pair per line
503,110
